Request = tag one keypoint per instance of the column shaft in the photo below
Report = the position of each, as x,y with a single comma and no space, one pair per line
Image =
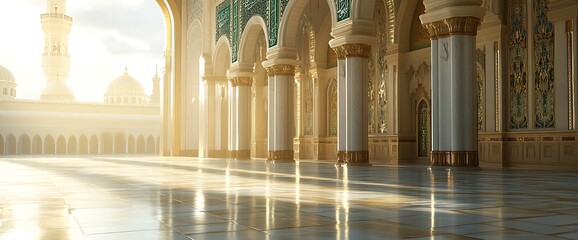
280,139
239,118
454,92
352,80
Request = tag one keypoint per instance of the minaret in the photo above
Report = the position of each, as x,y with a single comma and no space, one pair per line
55,59
156,96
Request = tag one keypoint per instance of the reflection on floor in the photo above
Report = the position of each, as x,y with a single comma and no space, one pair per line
188,198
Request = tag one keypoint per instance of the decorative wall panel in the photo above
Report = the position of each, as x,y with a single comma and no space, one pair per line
423,129
517,69
223,20
371,94
382,73
543,65
194,10
332,107
481,79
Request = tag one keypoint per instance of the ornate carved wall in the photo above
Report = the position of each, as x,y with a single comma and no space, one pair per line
543,65
517,65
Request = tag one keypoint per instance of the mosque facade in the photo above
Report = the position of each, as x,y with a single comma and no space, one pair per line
127,123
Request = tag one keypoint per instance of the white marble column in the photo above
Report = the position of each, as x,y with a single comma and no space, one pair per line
454,92
240,117
280,136
280,139
352,80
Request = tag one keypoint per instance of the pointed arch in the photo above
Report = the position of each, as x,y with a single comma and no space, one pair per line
222,51
10,145
72,146
93,146
150,145
107,143
24,145
61,145
119,143
255,26
83,144
288,26
49,146
36,145
140,145
131,145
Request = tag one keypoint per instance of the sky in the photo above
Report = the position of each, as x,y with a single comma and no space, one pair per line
106,37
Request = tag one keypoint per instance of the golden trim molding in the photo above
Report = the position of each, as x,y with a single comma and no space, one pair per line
570,67
276,155
453,26
352,50
353,158
241,81
239,154
455,158
281,70
498,84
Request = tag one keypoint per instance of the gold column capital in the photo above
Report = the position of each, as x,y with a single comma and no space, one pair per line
453,26
280,70
352,50
241,81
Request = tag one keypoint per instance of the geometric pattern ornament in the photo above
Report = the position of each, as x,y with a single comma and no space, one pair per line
236,13
543,65
517,69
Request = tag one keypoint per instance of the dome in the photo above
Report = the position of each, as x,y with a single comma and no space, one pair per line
125,84
6,75
57,91
125,90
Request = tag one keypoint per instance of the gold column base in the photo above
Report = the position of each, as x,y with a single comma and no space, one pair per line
280,156
455,158
353,158
239,154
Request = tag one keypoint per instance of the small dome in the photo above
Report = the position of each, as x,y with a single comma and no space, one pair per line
57,91
6,75
125,84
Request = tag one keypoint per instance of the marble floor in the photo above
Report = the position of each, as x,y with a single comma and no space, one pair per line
188,198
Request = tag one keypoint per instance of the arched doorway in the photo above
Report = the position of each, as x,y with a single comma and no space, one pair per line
72,147
24,144
36,145
131,144
83,144
119,143
151,145
140,145
61,145
107,143
10,145
93,147
49,146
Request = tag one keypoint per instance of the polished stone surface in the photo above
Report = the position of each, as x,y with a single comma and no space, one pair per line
187,198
